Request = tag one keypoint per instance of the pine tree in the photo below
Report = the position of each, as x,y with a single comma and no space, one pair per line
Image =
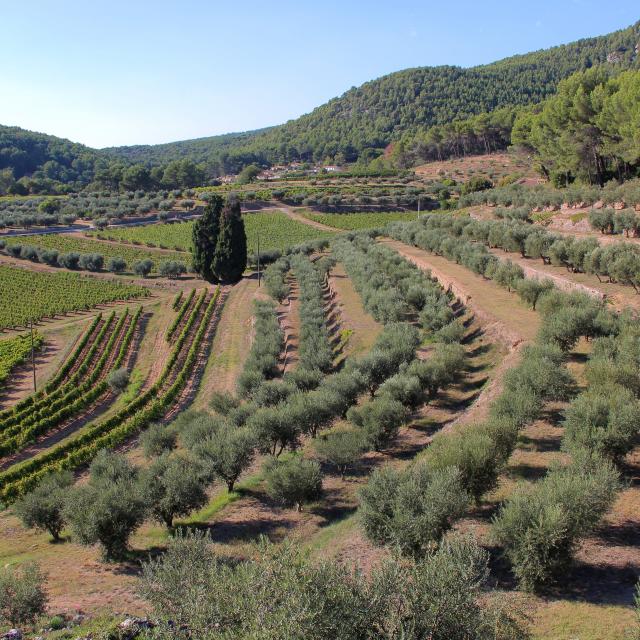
230,258
205,239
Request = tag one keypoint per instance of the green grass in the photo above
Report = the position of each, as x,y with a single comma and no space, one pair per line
356,221
274,229
68,244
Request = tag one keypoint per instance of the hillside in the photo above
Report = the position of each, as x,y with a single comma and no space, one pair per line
361,122
355,126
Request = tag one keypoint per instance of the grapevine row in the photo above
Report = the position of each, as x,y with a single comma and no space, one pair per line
19,436
134,417
181,314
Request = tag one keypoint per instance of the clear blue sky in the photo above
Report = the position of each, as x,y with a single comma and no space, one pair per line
133,72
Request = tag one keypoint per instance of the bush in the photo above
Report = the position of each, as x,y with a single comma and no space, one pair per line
293,481
226,453
109,507
280,593
540,525
158,439
470,451
143,267
116,265
173,486
411,510
43,507
341,448
604,420
118,380
22,595
380,420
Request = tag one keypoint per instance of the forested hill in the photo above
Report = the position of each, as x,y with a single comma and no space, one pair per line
356,126
365,119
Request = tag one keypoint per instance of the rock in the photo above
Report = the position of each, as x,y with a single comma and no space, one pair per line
78,618
12,634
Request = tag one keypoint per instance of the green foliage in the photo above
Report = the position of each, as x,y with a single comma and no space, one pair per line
16,351
604,420
411,510
172,486
51,294
293,481
226,452
158,439
118,380
281,593
541,525
473,453
205,233
341,448
109,507
43,507
23,598
230,258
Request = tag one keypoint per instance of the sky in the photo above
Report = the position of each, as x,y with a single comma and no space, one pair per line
109,73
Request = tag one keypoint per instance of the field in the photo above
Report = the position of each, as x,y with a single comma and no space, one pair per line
67,244
273,229
427,368
26,295
14,351
356,221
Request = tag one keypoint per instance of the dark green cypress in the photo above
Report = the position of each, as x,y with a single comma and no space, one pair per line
205,239
230,258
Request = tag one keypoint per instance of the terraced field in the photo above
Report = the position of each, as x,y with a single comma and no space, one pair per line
274,229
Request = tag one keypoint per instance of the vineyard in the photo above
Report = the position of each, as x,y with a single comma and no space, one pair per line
356,221
126,422
15,351
275,230
27,295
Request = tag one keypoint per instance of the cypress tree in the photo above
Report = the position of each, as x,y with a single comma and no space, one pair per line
205,239
230,258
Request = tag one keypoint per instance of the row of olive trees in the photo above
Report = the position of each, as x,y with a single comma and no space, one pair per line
262,362
94,262
545,196
314,350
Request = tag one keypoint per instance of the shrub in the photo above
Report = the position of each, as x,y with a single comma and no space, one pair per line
470,451
341,448
116,265
413,509
380,420
109,507
158,439
43,507
118,380
280,593
605,420
22,595
540,525
173,486
226,452
143,267
293,481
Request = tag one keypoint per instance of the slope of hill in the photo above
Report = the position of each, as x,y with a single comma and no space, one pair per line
357,125
361,122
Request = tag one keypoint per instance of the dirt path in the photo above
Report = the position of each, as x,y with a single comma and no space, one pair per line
231,342
294,215
501,313
289,319
362,327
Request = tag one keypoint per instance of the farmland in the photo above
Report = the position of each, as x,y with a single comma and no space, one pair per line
26,295
372,374
273,228
72,244
357,221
